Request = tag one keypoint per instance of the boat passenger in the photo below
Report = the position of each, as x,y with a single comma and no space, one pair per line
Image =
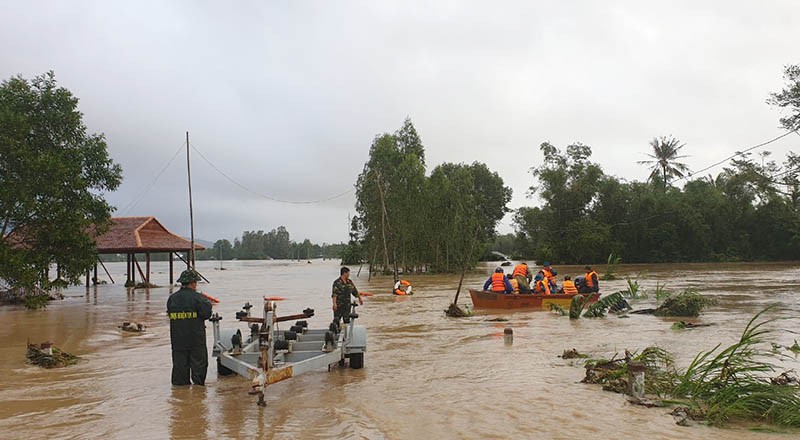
514,285
569,286
541,286
523,276
403,287
498,282
341,292
550,275
592,283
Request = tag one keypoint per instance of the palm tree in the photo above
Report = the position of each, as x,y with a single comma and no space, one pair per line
665,155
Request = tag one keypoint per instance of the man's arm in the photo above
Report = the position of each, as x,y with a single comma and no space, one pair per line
203,307
358,294
487,283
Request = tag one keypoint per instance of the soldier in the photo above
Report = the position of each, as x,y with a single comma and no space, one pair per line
187,310
341,292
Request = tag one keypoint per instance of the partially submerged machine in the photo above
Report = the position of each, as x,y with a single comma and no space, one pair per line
268,355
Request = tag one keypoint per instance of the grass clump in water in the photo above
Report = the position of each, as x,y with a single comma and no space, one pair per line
688,303
721,385
612,264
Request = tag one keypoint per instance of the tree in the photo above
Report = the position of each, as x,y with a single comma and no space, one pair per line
222,249
665,157
789,97
52,178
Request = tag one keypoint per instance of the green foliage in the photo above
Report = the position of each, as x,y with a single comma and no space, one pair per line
661,293
612,264
686,303
557,309
36,301
750,211
664,165
411,221
732,384
53,175
598,309
634,291
789,97
576,306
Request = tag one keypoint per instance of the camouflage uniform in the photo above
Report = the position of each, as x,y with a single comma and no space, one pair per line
343,291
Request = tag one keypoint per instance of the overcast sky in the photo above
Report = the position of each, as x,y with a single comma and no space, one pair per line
286,97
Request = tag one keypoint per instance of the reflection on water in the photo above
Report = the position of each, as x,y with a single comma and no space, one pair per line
425,375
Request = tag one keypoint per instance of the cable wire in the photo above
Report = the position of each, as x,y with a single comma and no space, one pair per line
264,196
738,153
149,186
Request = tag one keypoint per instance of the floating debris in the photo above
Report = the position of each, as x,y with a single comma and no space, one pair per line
680,325
132,327
145,285
687,303
33,298
454,311
573,354
786,378
47,356
497,320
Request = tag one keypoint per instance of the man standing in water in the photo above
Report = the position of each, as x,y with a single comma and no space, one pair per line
343,289
187,310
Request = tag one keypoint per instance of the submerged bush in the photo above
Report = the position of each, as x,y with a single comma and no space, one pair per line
687,303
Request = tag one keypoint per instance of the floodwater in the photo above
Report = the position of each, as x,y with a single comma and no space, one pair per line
425,376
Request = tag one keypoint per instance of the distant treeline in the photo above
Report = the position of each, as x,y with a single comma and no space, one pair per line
258,245
749,211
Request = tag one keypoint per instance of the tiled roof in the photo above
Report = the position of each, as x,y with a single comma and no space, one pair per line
140,234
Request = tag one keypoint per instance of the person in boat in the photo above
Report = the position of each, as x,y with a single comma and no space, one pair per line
591,282
341,292
540,285
514,285
550,275
568,287
187,310
498,282
523,277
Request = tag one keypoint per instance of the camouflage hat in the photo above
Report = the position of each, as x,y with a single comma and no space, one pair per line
188,276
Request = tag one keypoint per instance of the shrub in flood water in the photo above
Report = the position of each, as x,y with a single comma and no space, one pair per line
719,386
687,303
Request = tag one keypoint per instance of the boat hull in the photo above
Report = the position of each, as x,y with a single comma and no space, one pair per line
491,300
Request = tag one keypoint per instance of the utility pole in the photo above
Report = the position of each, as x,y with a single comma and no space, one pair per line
191,211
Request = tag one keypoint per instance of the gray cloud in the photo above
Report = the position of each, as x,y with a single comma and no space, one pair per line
286,97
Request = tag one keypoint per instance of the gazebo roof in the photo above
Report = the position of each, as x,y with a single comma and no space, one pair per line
140,235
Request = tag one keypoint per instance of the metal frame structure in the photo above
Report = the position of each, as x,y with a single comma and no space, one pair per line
269,355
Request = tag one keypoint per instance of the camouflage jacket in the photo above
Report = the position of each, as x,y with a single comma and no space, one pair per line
342,291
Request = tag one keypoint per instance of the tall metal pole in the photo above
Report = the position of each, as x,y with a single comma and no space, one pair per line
191,212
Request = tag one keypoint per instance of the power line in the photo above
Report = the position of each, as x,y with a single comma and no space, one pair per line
149,186
264,196
738,153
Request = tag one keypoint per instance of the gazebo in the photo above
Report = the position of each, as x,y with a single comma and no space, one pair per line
141,235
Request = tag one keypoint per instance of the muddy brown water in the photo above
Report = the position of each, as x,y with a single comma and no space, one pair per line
425,375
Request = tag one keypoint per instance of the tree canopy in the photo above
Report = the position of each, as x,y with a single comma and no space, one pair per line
411,221
53,174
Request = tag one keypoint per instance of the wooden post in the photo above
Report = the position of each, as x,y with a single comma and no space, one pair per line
128,269
141,273
171,276
87,279
95,271
133,269
147,264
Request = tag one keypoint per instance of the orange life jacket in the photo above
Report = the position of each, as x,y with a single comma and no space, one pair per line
569,287
590,280
542,286
520,270
514,284
498,282
548,274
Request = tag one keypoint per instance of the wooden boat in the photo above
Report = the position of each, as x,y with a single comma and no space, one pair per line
482,299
